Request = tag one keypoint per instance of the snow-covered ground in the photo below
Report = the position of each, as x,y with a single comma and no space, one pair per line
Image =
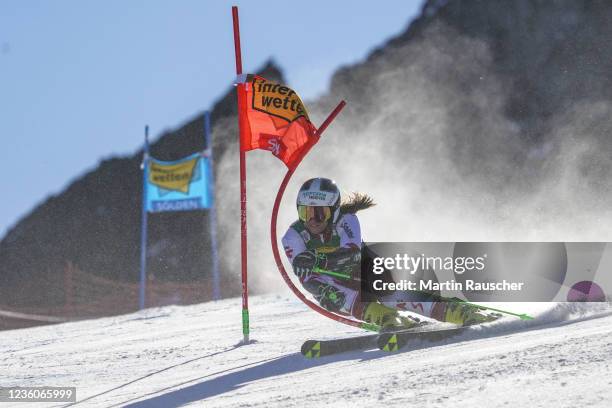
176,356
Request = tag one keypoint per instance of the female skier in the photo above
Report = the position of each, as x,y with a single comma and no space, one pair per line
327,238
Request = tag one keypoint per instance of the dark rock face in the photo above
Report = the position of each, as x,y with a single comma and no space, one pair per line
522,90
495,102
552,54
549,55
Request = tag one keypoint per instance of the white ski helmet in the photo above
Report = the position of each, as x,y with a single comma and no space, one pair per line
320,192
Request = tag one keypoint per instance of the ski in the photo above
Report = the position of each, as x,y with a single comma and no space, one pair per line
394,341
322,348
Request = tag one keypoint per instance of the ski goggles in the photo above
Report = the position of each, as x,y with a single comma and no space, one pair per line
321,214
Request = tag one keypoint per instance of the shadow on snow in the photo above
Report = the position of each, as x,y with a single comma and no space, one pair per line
233,380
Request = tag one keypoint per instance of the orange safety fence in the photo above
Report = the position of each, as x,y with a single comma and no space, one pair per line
89,296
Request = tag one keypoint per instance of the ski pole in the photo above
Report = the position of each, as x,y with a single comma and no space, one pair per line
522,316
338,275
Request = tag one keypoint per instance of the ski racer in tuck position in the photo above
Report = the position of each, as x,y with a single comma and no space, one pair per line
327,237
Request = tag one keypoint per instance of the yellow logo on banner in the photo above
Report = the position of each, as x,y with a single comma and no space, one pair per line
278,100
174,177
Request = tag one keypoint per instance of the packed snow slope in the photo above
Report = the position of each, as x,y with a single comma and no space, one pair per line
175,356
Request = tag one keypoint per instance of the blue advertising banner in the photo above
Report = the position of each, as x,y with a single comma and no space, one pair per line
182,185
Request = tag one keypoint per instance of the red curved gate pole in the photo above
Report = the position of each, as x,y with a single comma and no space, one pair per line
277,257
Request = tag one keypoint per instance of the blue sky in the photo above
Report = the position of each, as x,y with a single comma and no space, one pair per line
79,79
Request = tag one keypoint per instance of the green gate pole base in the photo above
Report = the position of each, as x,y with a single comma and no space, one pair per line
245,325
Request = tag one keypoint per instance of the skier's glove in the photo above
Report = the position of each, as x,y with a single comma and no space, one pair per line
304,263
331,298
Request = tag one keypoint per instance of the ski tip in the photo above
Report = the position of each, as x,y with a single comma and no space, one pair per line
391,344
526,317
312,349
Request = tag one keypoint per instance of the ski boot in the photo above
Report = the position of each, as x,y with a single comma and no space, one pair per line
387,318
465,315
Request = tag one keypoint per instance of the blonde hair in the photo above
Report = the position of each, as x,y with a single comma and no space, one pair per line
356,202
